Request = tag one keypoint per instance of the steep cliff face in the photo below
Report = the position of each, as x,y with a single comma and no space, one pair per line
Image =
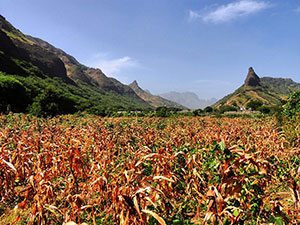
75,70
21,56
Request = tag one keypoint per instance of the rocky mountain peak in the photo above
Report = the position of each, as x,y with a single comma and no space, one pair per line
134,83
252,79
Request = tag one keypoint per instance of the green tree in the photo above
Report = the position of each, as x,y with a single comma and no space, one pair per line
227,108
290,119
162,111
208,109
254,104
264,109
51,102
13,96
292,107
198,112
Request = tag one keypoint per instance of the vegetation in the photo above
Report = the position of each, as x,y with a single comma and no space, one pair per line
13,95
43,86
292,107
254,104
270,91
188,170
208,109
228,108
290,119
52,96
164,168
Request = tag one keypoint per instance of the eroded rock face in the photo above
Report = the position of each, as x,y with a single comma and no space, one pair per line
252,78
21,56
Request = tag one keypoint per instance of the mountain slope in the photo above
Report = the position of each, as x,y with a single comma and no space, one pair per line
18,55
76,71
281,86
153,100
39,71
268,90
188,99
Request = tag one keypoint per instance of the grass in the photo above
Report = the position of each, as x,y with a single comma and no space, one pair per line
18,36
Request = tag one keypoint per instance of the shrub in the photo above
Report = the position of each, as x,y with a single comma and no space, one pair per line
208,109
290,119
98,110
162,112
292,107
227,108
51,102
291,130
198,112
254,104
13,96
264,109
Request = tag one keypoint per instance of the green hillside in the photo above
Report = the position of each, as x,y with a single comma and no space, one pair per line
78,72
267,90
47,84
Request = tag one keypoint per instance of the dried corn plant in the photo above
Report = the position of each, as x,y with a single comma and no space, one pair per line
91,170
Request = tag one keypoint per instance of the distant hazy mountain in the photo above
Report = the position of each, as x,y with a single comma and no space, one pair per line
268,90
188,99
153,100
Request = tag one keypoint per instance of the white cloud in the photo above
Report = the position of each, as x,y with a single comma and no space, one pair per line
194,15
231,11
297,10
113,67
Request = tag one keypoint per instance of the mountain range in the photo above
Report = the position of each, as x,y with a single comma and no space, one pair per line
42,70
267,90
153,100
37,77
188,99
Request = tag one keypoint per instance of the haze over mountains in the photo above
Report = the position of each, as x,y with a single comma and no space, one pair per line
43,71
153,100
188,99
28,57
92,76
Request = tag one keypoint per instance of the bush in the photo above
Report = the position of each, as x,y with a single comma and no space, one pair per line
292,107
98,110
291,130
254,104
51,102
227,108
264,109
290,119
198,112
13,96
162,112
208,109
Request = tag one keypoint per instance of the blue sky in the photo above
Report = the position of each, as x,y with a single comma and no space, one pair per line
204,46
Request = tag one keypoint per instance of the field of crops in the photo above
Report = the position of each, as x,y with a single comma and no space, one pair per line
187,170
